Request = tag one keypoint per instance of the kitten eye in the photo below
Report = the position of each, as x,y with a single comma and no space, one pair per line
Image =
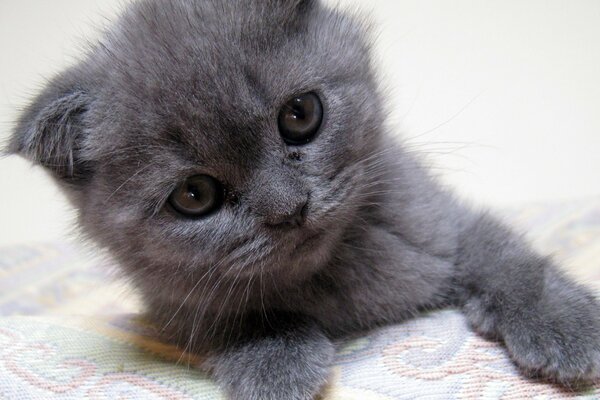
197,196
300,119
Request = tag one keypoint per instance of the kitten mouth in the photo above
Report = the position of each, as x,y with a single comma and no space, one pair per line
309,241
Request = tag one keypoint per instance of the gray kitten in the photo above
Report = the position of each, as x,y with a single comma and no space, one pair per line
231,155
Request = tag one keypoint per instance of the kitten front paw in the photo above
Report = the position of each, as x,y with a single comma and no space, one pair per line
291,366
546,355
280,384
562,344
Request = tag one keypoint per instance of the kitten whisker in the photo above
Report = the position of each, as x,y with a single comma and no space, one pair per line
448,120
127,181
211,270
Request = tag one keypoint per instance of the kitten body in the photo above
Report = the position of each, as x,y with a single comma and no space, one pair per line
182,88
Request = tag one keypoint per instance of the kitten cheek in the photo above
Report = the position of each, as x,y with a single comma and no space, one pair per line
123,217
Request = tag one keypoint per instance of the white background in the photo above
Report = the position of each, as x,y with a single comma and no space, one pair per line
503,96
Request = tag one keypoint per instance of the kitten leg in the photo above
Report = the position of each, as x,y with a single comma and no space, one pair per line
288,361
551,325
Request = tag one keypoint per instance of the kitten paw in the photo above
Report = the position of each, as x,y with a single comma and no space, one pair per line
292,365
564,361
275,377
563,348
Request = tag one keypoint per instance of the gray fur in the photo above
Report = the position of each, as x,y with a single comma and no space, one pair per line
179,88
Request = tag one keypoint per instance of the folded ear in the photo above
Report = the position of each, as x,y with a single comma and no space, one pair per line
51,132
298,6
290,10
297,3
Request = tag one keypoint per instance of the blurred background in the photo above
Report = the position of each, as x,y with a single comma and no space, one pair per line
502,97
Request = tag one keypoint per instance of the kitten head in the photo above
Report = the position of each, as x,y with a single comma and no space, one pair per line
213,135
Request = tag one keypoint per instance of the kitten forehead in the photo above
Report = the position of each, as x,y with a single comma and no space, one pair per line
211,39
195,49
220,70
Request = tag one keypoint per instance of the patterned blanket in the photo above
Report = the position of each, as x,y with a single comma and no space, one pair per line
68,330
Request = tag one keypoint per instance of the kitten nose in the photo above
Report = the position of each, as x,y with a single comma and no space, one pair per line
292,216
279,197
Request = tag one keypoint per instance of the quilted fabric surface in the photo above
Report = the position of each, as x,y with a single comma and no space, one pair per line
68,330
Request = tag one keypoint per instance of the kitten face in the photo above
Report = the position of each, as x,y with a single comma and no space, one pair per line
190,88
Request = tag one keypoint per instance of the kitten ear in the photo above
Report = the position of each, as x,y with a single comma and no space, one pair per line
294,6
293,13
299,4
51,131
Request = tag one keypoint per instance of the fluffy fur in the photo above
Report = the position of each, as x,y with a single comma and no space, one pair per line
177,88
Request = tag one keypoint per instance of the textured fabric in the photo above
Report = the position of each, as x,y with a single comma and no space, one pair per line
57,279
68,330
435,356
